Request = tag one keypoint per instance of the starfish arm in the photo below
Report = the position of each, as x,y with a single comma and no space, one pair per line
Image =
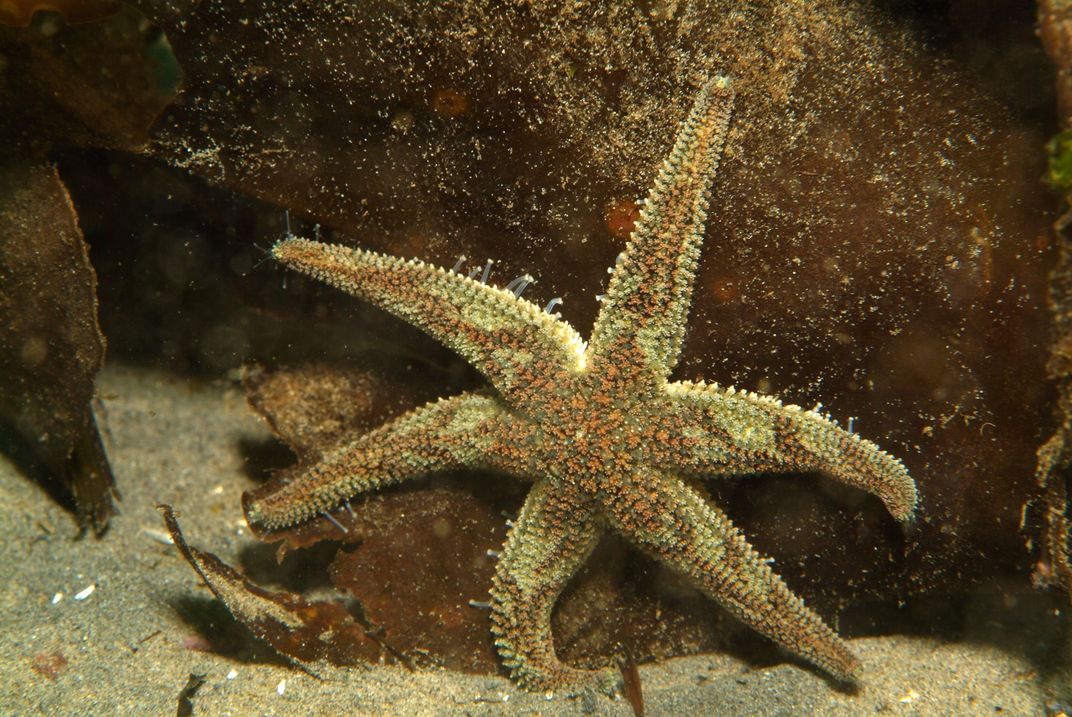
519,347
675,525
714,430
463,431
642,321
551,538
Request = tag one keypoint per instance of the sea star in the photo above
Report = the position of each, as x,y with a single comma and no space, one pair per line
608,441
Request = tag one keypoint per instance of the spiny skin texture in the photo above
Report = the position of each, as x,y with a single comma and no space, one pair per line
606,439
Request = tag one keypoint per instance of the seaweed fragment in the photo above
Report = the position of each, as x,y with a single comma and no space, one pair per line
51,347
186,695
1059,169
312,634
634,693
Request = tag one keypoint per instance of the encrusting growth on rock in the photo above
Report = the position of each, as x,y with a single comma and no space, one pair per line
608,442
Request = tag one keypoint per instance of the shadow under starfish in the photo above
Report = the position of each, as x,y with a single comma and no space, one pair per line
608,442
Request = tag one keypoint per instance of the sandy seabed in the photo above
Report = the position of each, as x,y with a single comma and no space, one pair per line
125,648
